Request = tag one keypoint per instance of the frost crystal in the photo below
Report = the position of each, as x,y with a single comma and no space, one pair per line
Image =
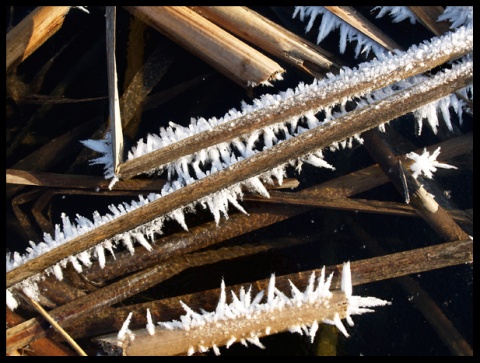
458,16
331,22
230,322
426,164
397,13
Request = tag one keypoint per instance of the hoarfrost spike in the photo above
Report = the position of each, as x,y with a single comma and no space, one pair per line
240,320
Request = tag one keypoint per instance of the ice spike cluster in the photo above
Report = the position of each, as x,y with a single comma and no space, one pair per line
232,322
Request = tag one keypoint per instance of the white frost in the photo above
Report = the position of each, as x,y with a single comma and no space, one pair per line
242,306
426,164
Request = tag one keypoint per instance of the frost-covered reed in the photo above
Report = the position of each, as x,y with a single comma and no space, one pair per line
246,319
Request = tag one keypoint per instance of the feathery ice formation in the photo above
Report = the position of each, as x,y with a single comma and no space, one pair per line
457,15
246,320
212,159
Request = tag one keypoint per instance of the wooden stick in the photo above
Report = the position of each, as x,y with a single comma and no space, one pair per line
34,30
177,342
230,56
350,204
428,16
422,301
269,36
346,126
359,22
113,98
73,181
420,200
55,325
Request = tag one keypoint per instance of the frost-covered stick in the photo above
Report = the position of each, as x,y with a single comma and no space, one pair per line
346,86
248,318
224,52
353,123
178,342
274,39
420,199
84,307
359,22
260,216
364,271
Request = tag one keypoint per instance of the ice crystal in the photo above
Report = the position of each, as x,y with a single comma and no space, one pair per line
426,164
397,13
124,331
102,146
332,22
458,16
242,310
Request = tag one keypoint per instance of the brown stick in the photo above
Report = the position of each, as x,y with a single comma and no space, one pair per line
177,342
420,200
359,22
199,237
269,36
350,204
422,301
44,179
57,327
349,125
34,30
428,15
230,56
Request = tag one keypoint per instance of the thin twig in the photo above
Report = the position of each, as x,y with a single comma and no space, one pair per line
47,317
113,97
